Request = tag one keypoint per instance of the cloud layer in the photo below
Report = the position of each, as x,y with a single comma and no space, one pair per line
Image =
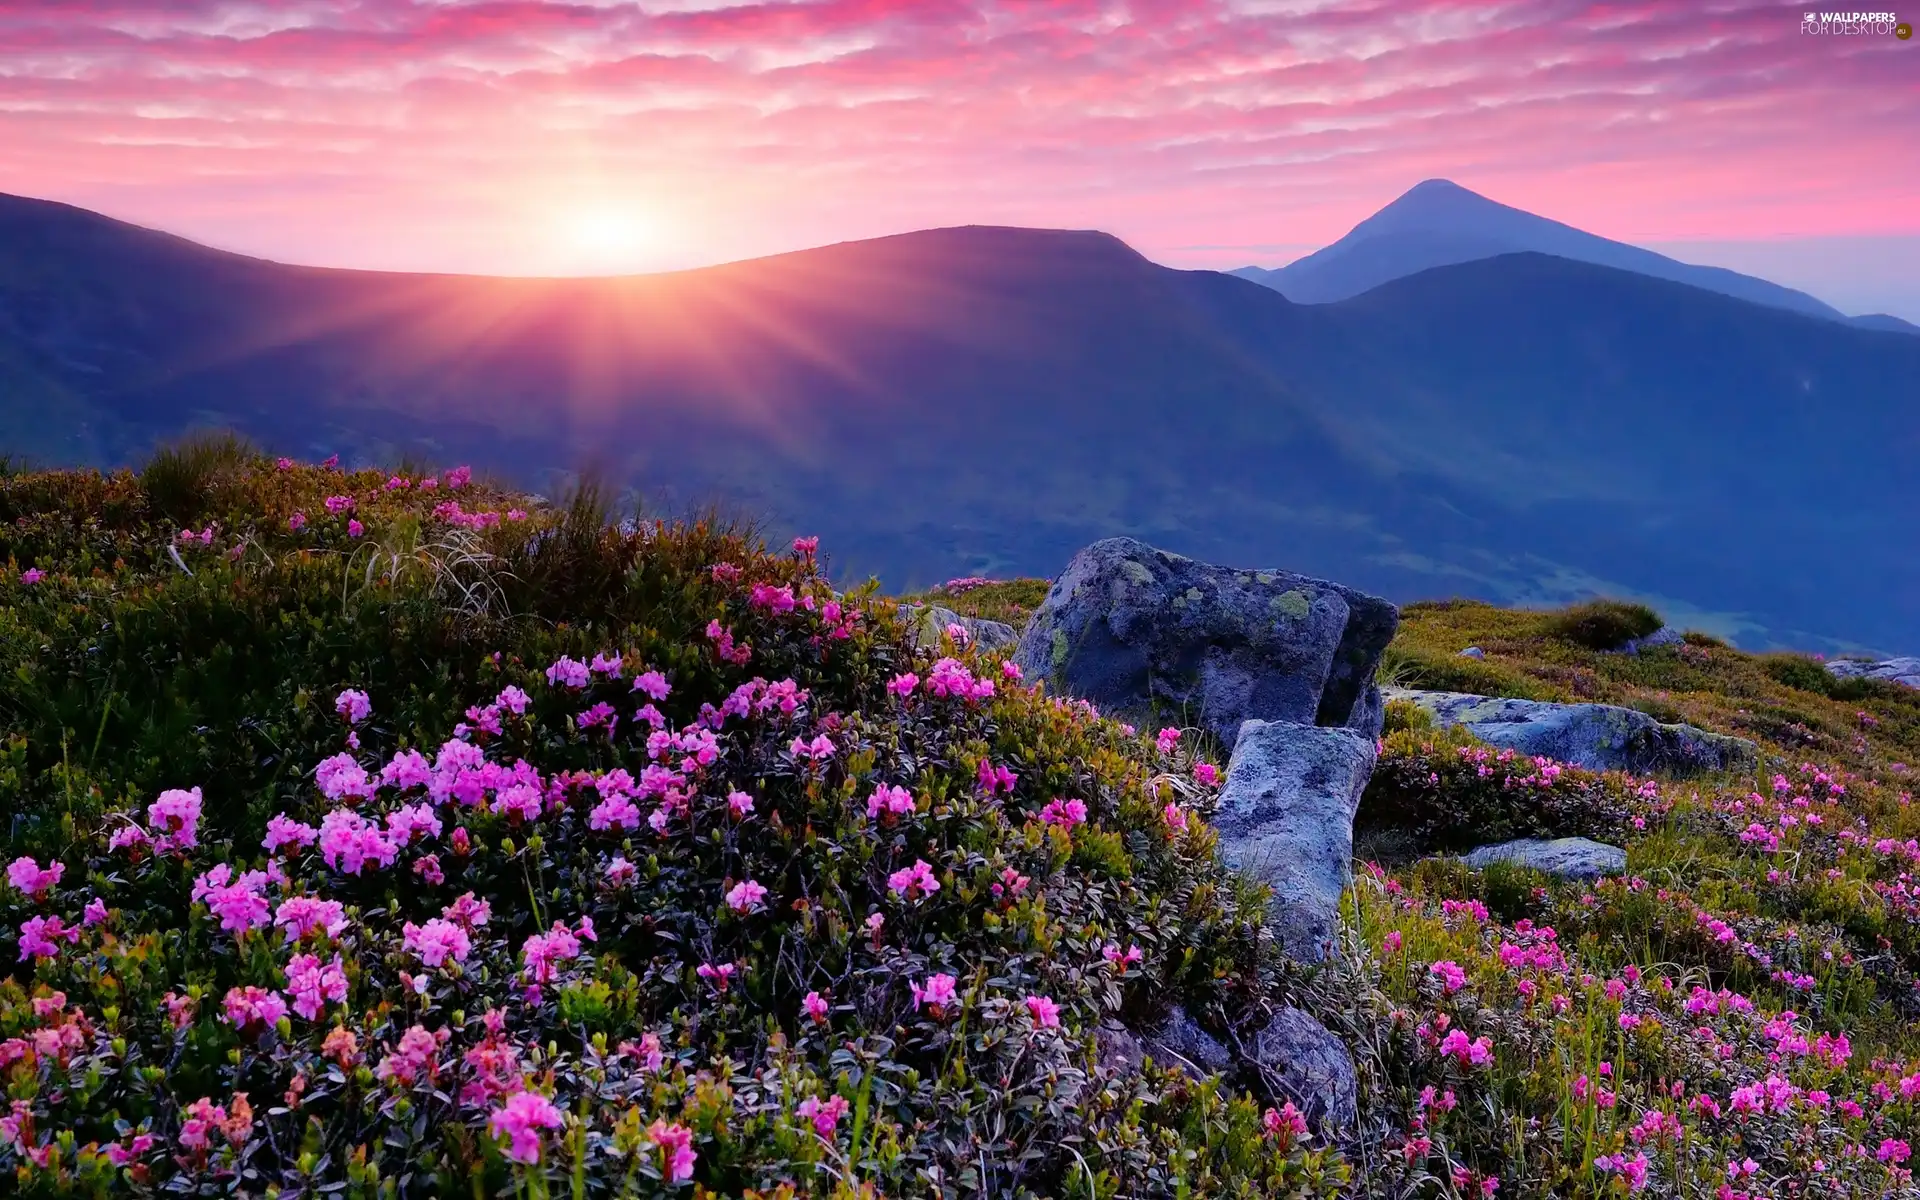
515,136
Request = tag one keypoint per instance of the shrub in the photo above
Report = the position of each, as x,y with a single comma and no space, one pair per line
1798,671
1414,666
1603,624
180,478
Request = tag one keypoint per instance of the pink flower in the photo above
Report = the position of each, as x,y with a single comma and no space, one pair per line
740,805
891,801
283,830
1064,813
675,1143
520,1121
355,528
902,685
1206,773
299,916
818,750
1166,740
468,913
654,684
1119,958
745,896
39,937
297,522
825,1116
719,975
32,878
237,902
1285,1122
339,504
936,992
1477,1052
806,546
1391,943
568,672
348,841
815,1006
32,575
1175,817
620,871
615,811
312,983
1045,1013
436,942
914,882
253,1007
1894,1151
176,814
542,951
95,912
1452,978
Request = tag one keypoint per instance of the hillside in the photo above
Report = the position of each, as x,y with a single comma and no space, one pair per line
983,399
388,833
1437,223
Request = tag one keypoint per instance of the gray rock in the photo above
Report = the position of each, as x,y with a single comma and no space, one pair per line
927,623
1147,634
1117,1050
1286,818
1599,737
1181,1043
1568,858
1299,1060
1666,635
1903,671
1473,652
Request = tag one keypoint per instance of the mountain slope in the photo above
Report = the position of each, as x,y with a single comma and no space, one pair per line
984,400
1437,223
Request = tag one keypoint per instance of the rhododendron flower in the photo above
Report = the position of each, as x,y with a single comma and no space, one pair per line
675,1143
40,937
355,528
32,878
719,975
615,812
32,575
520,1121
1119,958
890,801
740,805
95,912
654,684
1894,1151
237,902
902,685
297,522
824,1115
302,915
416,1057
251,1006
1166,740
436,942
620,871
815,1007
1285,1122
568,672
1064,813
312,984
354,705
745,896
176,814
1043,1010
994,779
1175,816
348,841
1206,773
283,830
938,990
1477,1052
542,951
1452,978
1391,943
818,750
914,882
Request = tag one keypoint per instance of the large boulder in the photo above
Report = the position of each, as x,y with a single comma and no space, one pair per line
1666,635
1285,817
1297,1059
926,624
1903,671
1600,737
1183,1044
1567,858
1152,635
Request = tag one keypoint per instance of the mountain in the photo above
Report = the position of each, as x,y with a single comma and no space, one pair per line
1437,223
1523,428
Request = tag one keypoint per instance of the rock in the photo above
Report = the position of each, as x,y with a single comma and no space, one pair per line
1181,1043
1117,1050
1666,635
1286,818
1299,1060
1568,858
930,621
1903,671
1146,634
1599,737
1473,652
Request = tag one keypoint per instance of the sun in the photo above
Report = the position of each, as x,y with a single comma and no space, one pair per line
607,238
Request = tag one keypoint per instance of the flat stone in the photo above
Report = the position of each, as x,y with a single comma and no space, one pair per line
1599,737
1903,671
927,623
1567,858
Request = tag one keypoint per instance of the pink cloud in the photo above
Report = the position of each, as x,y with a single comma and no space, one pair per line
483,136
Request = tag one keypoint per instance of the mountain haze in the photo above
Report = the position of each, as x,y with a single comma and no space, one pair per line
1523,427
1438,223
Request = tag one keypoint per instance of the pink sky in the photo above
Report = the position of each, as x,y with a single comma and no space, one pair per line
514,136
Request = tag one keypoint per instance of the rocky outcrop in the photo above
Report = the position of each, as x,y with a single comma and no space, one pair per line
1903,671
1155,636
927,623
1666,635
1180,1042
1285,818
1596,736
1472,652
1299,1060
1567,858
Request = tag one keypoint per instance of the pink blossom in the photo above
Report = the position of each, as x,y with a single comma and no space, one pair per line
1045,1013
1166,740
568,672
620,871
1175,817
176,814
520,1121
1286,1121
299,916
675,1143
1452,978
745,896
902,685
283,830
355,528
1477,1052
32,575
1206,773
436,942
818,750
1119,958
348,841
1064,813
615,812
654,684
39,937
32,878
297,522
891,801
312,983
938,990
815,1007
95,913
717,974
740,805
354,705
1391,943
237,902
825,1116
251,1006
339,504
542,951
914,882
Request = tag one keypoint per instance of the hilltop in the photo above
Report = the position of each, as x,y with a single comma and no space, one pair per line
392,832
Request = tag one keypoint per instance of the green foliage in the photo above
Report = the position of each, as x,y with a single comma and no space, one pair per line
1411,666
1799,672
181,479
1604,624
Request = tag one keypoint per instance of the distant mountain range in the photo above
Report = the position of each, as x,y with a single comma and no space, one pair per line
1438,223
1524,428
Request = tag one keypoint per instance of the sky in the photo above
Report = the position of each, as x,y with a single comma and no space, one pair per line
510,136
